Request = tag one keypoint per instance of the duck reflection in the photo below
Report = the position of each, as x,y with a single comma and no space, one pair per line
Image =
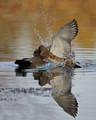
60,80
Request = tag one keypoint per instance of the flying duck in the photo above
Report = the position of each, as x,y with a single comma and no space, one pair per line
59,52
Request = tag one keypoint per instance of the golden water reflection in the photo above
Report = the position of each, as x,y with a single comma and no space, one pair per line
23,25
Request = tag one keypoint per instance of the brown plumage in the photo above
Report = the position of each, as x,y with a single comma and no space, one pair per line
39,58
57,52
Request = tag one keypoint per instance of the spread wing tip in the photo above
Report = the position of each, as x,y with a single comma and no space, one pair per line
71,29
68,31
76,26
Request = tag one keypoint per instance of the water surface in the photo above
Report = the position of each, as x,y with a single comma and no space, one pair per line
57,93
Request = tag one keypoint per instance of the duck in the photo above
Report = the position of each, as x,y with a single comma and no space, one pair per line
60,51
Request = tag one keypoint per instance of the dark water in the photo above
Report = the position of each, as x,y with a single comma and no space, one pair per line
57,93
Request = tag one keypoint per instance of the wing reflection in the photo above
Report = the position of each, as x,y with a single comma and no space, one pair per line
64,97
60,80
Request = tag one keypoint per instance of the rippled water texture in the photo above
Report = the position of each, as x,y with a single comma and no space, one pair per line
46,93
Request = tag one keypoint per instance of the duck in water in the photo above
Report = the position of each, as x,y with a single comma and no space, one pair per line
59,52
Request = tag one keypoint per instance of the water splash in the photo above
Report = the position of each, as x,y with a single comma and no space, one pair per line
47,23
39,36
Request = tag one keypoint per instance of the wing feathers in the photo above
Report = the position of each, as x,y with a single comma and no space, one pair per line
68,31
61,41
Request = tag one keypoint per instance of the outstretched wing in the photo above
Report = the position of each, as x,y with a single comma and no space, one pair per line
61,45
68,31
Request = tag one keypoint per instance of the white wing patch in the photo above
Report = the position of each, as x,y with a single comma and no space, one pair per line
61,46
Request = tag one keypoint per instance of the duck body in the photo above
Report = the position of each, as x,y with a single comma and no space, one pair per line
58,52
34,61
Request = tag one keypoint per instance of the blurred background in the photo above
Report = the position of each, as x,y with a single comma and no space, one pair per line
25,24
